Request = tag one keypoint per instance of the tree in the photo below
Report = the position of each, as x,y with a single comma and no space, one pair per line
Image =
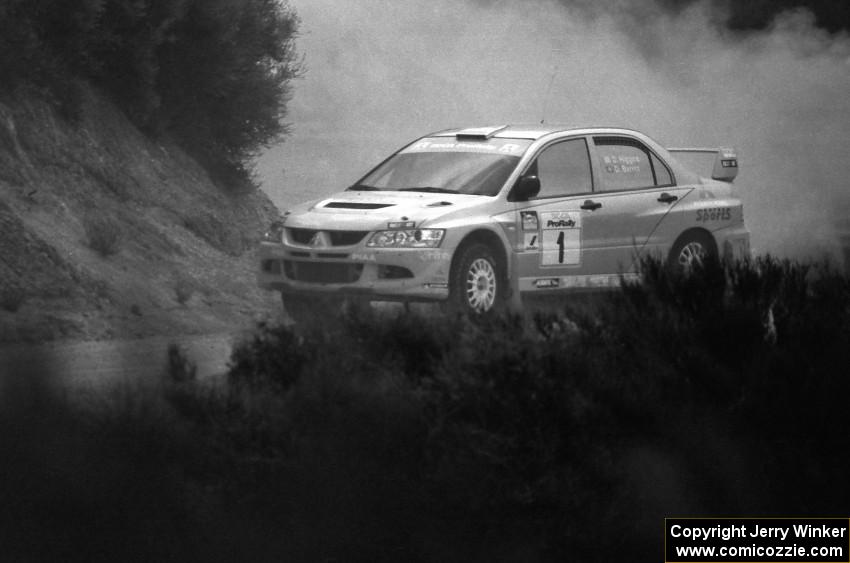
214,73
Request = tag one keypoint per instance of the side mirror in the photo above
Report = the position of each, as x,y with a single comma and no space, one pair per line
526,188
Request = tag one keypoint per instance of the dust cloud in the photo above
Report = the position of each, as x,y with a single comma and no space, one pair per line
380,73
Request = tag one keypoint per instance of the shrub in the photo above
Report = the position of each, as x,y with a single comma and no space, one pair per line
273,357
103,234
11,298
184,288
505,435
179,367
216,233
228,106
214,73
409,344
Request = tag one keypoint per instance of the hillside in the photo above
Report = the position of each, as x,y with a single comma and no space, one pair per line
107,233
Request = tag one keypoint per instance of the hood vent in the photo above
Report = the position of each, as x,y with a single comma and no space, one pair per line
355,205
439,204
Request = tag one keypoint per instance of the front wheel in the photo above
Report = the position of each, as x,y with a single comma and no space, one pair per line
476,283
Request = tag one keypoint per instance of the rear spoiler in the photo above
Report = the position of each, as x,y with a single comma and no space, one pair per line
725,161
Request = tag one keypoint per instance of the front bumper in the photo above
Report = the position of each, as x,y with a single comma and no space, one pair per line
408,274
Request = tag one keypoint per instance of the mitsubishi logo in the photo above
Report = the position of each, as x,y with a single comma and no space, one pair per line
320,240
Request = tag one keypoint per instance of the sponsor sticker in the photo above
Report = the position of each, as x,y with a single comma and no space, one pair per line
547,283
436,256
560,238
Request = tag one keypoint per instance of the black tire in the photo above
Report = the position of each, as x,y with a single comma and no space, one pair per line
690,250
307,309
477,281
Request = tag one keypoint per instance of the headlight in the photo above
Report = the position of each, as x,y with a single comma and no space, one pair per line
408,238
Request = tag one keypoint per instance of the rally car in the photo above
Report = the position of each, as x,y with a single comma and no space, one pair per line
479,217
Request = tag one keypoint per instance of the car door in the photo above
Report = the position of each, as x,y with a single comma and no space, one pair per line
555,225
637,191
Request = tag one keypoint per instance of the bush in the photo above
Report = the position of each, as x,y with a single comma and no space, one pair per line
103,235
509,437
273,358
216,233
11,298
214,73
180,368
184,288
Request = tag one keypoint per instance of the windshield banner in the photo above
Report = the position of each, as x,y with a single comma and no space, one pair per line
514,147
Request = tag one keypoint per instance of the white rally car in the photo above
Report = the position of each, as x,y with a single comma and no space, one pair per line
479,217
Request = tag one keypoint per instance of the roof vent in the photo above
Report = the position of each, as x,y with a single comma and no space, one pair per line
479,133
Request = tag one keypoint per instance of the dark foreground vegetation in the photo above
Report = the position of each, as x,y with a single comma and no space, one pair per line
214,74
563,435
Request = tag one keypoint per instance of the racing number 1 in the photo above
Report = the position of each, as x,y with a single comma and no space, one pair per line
561,247
560,238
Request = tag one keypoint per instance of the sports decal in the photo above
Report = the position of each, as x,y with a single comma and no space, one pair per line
714,214
560,238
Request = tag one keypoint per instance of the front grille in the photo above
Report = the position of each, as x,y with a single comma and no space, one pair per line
346,238
337,238
301,236
322,272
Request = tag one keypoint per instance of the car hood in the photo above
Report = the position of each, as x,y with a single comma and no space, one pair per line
372,210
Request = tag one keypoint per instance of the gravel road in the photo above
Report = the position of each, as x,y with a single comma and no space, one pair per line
97,362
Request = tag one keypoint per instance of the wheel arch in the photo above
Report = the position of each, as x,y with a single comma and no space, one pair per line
691,233
696,232
491,240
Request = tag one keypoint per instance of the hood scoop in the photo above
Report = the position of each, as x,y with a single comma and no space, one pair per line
355,205
439,204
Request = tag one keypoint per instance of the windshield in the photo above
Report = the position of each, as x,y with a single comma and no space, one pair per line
445,165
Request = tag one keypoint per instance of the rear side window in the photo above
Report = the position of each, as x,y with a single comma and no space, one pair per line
627,165
564,169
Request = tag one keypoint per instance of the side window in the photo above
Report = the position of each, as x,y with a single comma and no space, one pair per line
564,169
662,174
628,165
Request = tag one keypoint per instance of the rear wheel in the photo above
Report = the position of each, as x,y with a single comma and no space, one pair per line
477,282
691,250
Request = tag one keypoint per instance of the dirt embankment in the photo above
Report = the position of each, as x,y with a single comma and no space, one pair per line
107,233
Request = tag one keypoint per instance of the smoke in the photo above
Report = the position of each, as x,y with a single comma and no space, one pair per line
380,73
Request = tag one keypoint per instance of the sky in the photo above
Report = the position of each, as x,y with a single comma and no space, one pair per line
379,73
